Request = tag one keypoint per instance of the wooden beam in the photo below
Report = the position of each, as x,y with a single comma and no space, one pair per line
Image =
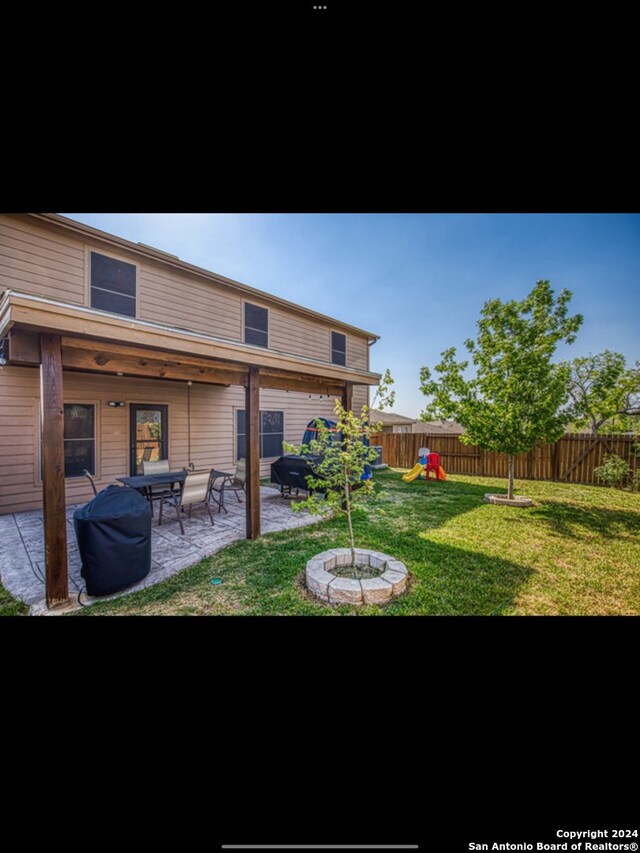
70,320
252,426
304,384
101,361
86,352
53,498
123,349
24,347
347,397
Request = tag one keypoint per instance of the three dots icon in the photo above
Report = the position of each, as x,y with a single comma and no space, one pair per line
319,7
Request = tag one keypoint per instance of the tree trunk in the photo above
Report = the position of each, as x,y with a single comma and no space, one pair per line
347,497
510,479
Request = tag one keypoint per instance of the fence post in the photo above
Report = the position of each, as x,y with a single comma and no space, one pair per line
554,461
481,462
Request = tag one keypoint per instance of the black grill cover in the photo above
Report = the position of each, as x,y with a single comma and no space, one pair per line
293,471
114,537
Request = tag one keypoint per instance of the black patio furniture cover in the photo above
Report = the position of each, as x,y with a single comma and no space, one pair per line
114,537
293,471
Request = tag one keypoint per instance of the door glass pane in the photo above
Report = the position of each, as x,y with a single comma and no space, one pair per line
149,438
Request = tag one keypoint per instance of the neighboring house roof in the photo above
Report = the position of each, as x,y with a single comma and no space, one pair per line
444,427
432,427
158,255
390,418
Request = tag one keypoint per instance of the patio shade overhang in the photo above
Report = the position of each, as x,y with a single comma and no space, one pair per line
105,343
56,336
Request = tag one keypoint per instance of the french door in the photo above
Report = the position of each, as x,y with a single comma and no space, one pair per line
149,434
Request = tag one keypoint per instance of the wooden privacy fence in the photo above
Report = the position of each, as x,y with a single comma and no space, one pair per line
572,459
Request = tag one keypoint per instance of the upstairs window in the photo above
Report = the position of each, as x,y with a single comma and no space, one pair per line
256,325
113,285
338,348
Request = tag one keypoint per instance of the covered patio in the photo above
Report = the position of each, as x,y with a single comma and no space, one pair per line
57,338
22,555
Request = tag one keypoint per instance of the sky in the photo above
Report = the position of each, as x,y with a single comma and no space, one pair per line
417,280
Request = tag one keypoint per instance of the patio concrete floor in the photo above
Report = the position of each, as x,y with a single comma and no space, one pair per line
22,545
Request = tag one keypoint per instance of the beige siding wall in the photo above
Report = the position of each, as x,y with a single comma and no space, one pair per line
39,260
357,352
360,397
179,300
212,434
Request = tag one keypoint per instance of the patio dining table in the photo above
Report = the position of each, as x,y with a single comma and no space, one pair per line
145,482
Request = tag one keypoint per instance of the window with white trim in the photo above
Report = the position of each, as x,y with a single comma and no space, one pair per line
113,285
79,439
271,434
256,325
338,348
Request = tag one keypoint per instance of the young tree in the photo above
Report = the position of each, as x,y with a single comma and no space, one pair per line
384,396
515,398
604,392
341,466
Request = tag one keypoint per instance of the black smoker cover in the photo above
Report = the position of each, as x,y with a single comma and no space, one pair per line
292,470
114,537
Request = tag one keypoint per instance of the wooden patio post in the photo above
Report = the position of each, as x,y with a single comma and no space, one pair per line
252,416
53,498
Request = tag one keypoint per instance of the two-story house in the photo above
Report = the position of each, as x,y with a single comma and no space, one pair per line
113,352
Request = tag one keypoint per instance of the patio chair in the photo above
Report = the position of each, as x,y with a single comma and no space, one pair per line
239,480
156,493
195,490
90,479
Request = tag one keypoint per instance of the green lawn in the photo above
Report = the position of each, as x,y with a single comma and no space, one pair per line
577,551
9,606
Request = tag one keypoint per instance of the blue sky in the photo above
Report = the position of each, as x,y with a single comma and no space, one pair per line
417,280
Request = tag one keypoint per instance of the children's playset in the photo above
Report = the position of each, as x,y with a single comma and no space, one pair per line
427,462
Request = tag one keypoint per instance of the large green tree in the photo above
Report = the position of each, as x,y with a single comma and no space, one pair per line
517,395
604,392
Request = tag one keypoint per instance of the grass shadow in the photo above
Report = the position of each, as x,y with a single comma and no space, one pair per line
574,521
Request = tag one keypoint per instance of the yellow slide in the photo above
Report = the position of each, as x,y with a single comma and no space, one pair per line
414,473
